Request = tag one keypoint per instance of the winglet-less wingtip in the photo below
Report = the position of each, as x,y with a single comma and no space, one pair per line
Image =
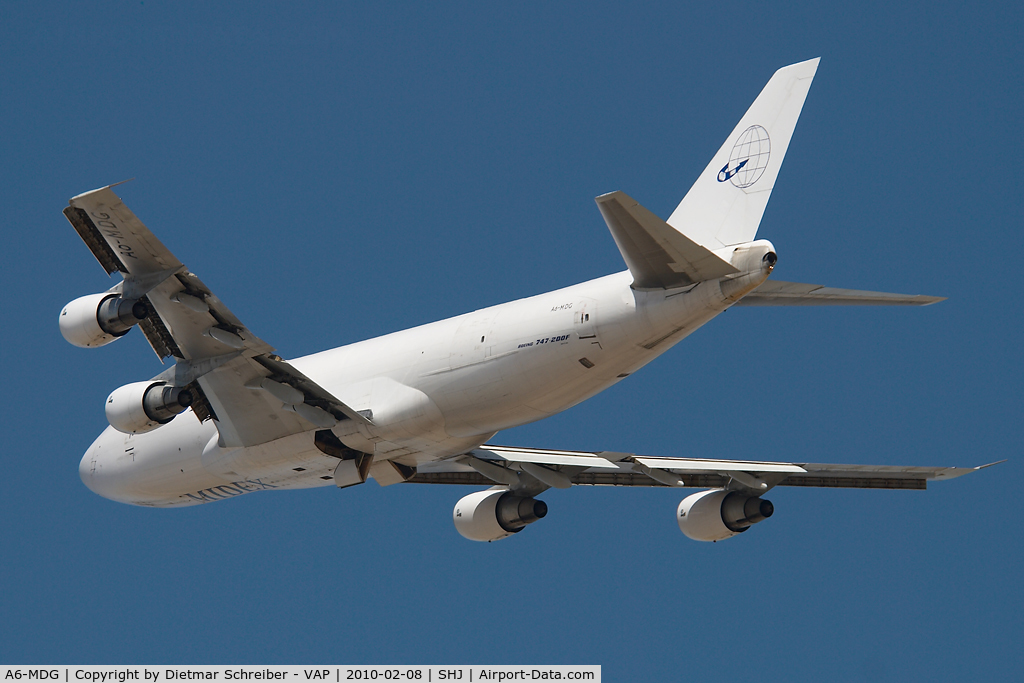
953,472
997,462
105,187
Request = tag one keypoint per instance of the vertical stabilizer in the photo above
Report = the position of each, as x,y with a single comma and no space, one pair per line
726,203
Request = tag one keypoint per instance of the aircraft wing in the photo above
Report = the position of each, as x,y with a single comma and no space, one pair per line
253,395
606,468
778,293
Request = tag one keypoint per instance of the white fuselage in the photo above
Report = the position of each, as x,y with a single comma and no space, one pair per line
434,391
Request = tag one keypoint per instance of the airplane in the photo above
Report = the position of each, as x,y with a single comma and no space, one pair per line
230,416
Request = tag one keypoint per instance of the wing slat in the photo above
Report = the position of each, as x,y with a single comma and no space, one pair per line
87,230
157,335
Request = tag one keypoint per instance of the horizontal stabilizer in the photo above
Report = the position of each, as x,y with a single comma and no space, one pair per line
776,293
658,255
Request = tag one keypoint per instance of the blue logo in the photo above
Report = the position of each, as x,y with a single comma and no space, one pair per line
749,158
727,173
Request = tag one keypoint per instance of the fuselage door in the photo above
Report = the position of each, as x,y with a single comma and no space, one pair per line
472,342
585,319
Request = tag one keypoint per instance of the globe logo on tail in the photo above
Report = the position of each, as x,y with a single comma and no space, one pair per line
748,159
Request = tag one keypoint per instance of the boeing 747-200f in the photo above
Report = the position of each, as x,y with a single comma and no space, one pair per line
421,406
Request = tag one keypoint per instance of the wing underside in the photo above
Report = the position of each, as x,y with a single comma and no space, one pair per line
605,468
252,394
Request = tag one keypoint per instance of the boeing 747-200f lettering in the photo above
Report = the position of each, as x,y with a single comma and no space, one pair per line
421,406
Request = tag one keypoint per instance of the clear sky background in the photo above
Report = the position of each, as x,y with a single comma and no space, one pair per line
337,171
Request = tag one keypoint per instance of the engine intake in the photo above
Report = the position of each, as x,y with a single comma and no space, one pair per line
718,514
98,319
143,406
492,515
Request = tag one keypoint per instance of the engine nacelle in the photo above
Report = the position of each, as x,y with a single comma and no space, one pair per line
718,514
98,319
143,406
492,515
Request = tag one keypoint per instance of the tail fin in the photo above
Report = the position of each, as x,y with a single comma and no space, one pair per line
725,205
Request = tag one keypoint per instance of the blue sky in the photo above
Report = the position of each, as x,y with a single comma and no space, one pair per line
337,171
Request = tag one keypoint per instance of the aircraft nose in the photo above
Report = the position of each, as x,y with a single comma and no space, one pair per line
97,468
87,468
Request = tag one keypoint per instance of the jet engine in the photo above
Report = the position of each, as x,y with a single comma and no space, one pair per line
492,515
718,514
98,319
143,406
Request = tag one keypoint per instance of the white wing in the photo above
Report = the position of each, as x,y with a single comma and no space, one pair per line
252,394
607,468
